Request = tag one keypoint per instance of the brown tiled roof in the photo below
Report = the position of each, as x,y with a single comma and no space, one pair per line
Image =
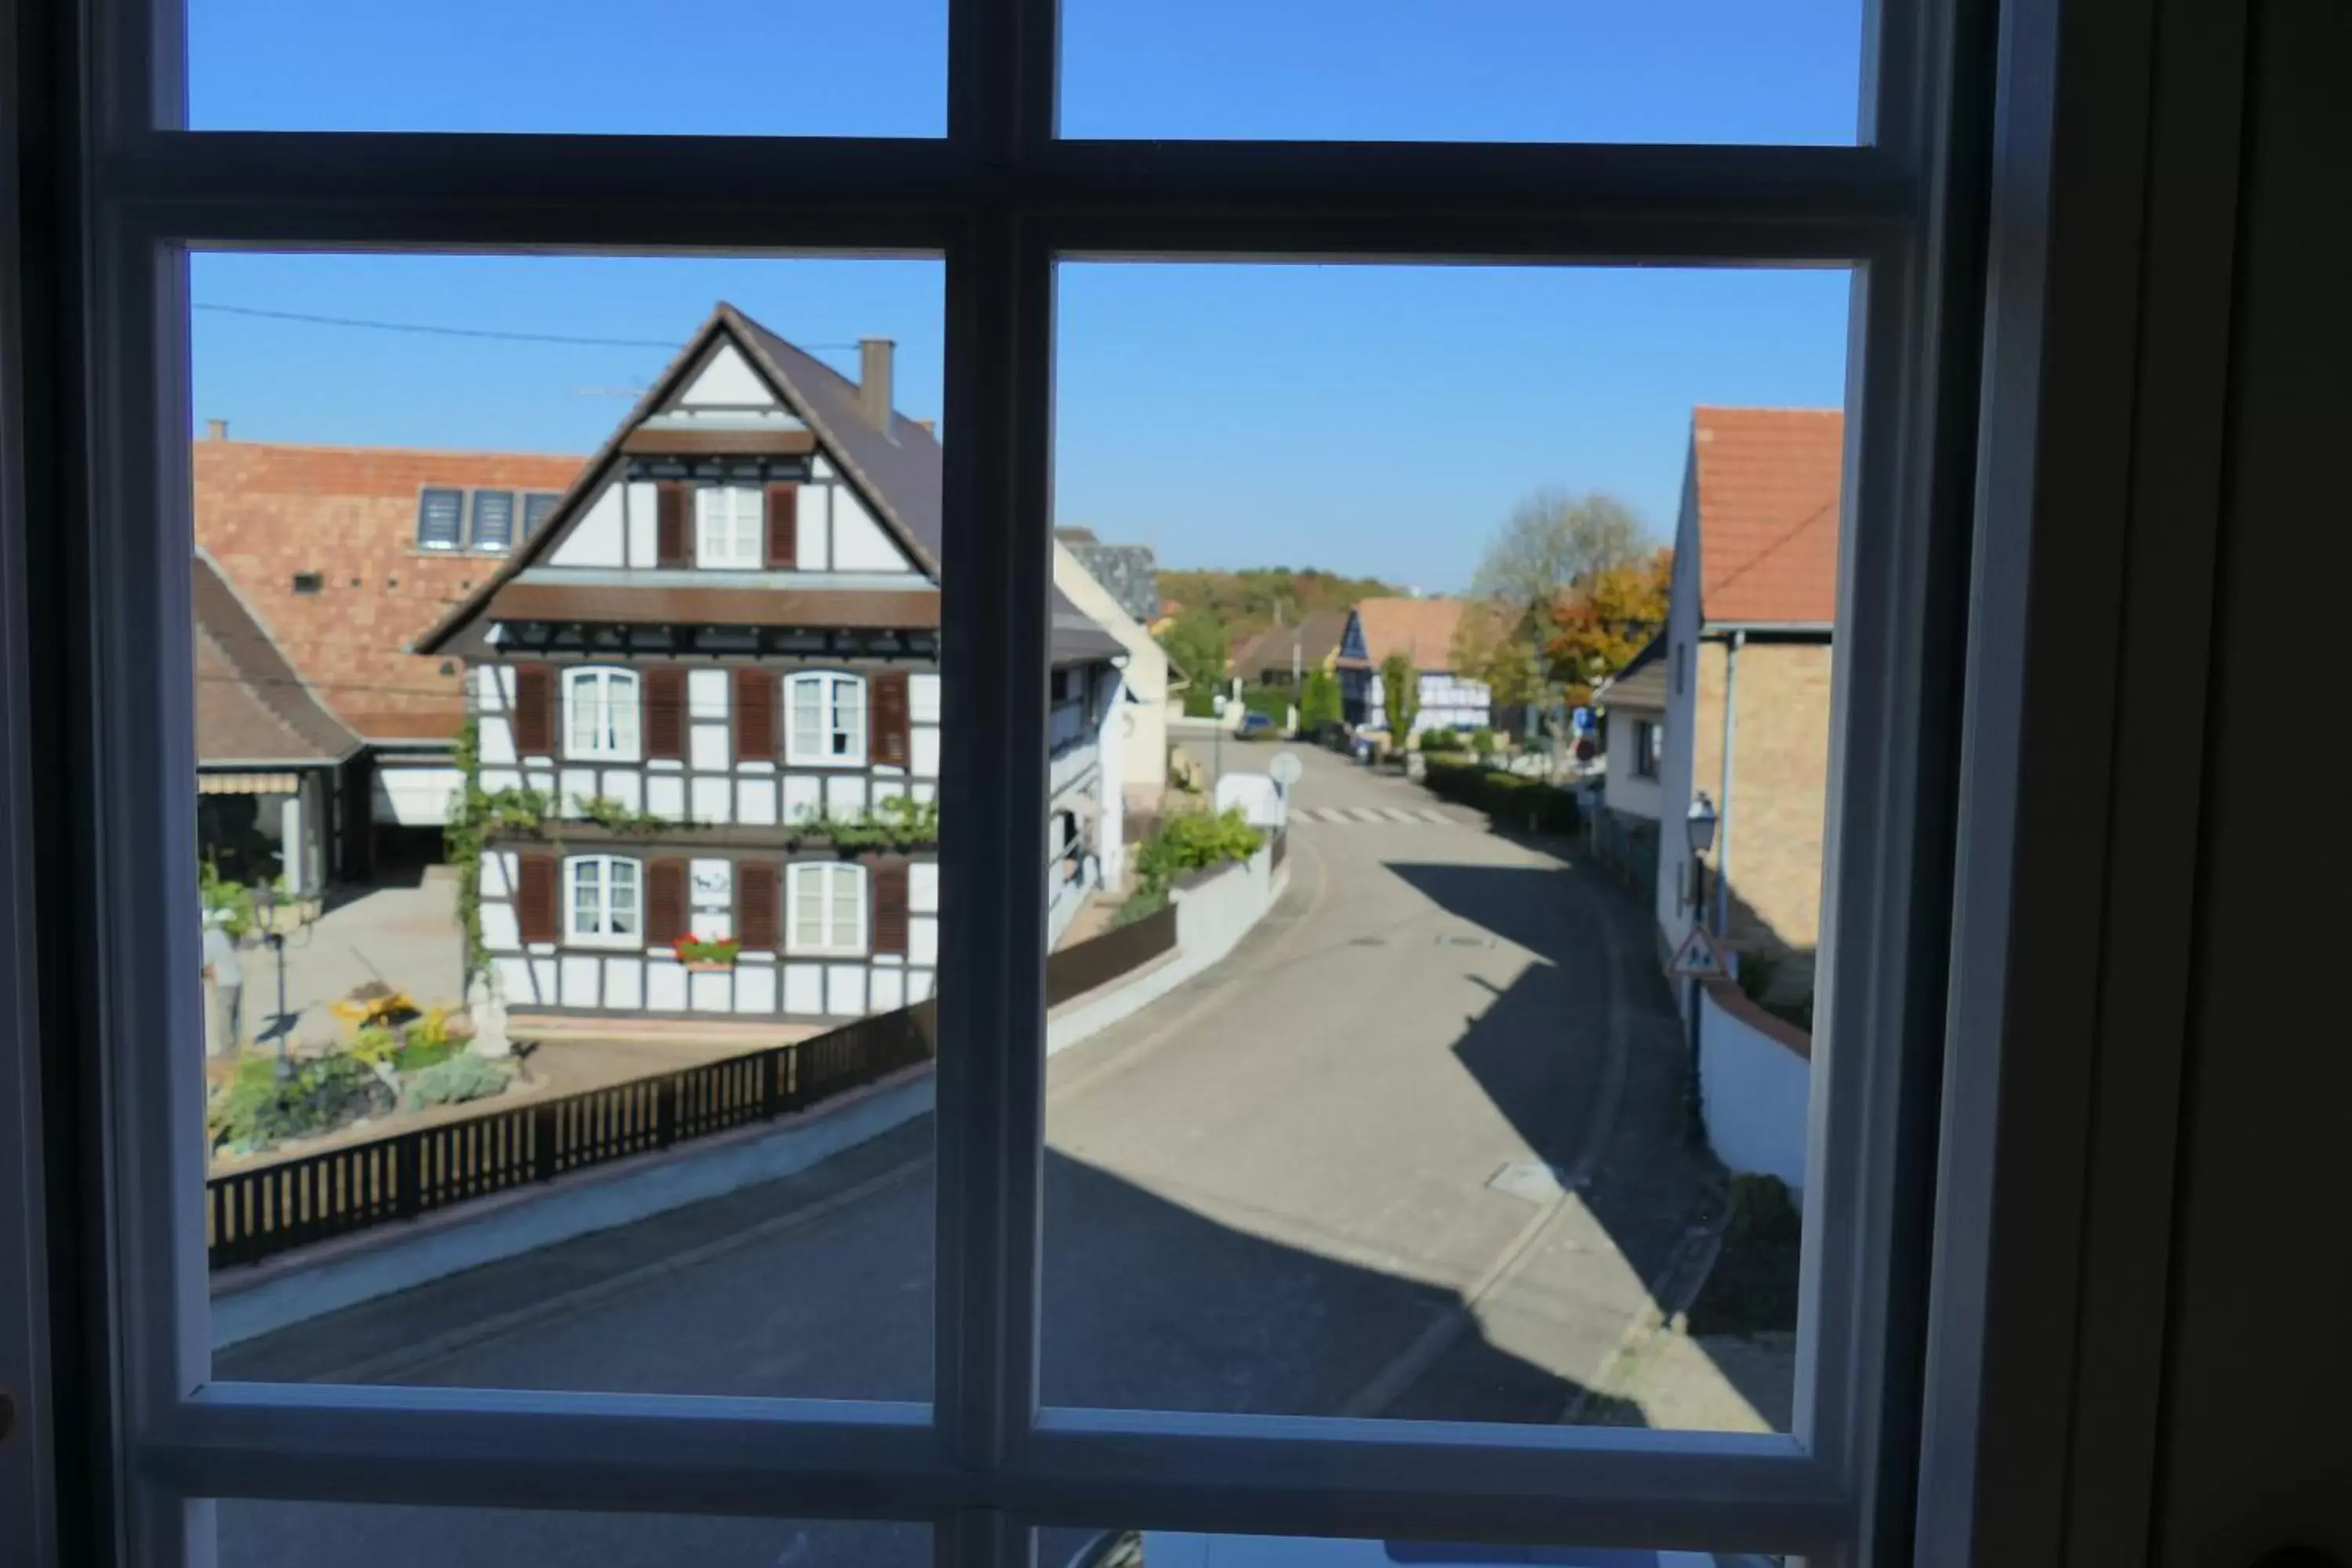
251,705
1767,483
1420,629
1317,639
266,512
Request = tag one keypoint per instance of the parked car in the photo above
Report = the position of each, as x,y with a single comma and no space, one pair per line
1257,727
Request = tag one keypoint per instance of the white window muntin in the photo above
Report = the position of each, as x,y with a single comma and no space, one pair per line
604,901
600,707
825,908
730,528
824,719
1831,204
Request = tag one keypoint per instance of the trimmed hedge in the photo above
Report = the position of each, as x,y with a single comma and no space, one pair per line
1511,800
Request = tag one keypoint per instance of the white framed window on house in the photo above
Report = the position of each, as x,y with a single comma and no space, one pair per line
828,720
978,1453
600,707
826,905
604,901
730,528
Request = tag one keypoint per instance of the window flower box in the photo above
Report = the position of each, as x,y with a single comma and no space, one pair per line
708,952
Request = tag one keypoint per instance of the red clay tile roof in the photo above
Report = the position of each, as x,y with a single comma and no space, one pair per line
251,706
1767,512
1420,629
266,512
1318,637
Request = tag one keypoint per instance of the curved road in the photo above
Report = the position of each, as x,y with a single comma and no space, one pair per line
1413,1150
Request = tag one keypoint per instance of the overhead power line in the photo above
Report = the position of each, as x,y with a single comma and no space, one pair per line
431,329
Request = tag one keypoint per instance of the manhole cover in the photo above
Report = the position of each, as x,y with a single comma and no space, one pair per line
1532,1180
1368,941
1466,942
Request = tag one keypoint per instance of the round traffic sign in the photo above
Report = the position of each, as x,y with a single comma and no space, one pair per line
1285,768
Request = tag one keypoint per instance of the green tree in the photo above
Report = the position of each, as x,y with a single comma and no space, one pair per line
1608,618
1195,644
1320,704
1399,694
1552,542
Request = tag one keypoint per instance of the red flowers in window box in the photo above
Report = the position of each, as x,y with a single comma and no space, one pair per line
707,951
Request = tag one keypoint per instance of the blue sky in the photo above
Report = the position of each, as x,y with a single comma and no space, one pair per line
1369,419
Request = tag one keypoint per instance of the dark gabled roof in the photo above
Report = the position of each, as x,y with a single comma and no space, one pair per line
897,472
1317,639
1640,684
252,708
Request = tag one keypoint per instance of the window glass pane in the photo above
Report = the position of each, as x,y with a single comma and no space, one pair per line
1395,1117
1509,70
537,507
493,519
440,518
871,69
259,1534
646,929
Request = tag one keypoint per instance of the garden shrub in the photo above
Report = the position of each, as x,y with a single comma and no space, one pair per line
1441,741
1530,804
1200,702
1274,701
1481,741
460,1079
260,1109
1189,841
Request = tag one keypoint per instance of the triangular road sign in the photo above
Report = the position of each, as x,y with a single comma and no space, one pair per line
1698,958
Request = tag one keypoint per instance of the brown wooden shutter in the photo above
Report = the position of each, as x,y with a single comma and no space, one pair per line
665,919
665,698
759,921
534,714
888,878
783,525
535,896
886,742
670,523
755,714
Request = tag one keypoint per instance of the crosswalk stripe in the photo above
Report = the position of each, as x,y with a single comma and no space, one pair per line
1351,815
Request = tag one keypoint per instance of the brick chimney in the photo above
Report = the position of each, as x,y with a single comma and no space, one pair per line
215,429
874,381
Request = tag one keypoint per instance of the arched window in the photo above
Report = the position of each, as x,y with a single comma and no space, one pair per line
600,714
604,901
828,720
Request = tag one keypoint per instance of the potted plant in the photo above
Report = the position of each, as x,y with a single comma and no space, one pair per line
708,952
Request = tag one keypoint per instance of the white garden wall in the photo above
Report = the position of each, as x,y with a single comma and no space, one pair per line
1755,1085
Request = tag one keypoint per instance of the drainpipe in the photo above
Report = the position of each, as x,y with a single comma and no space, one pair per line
1723,798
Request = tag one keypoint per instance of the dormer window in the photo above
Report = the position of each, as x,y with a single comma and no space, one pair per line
730,528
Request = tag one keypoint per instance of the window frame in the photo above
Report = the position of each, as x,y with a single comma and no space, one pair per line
830,685
604,865
1649,749
604,679
457,545
473,521
758,552
984,1464
826,871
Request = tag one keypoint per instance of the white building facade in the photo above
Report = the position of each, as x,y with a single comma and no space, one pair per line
715,668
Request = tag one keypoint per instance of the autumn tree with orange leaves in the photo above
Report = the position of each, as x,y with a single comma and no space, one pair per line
1603,621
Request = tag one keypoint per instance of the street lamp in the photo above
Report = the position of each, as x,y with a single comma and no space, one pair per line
265,904
1698,824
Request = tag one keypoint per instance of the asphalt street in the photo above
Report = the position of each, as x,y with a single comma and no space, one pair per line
1412,1150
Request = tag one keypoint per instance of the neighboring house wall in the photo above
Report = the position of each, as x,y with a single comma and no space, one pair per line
735,765
1450,702
1141,778
1624,786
